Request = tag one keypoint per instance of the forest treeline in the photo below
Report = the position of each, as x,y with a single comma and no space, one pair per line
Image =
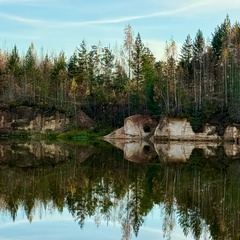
110,84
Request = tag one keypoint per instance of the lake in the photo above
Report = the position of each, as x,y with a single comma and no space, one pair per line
122,190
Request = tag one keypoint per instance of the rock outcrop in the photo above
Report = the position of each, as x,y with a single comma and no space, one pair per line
138,127
173,139
135,127
35,119
179,129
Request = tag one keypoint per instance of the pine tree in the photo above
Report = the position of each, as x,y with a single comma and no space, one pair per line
14,71
57,80
150,78
137,67
72,65
186,67
30,73
107,62
82,67
198,50
186,55
220,37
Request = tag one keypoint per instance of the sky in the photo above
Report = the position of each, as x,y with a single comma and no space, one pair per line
61,226
61,25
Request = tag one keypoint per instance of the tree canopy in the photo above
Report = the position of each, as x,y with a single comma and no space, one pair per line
203,79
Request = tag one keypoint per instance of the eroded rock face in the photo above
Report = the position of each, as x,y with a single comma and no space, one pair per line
135,127
174,129
34,119
177,129
42,123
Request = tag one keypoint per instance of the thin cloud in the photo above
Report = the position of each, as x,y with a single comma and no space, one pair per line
132,18
190,8
16,18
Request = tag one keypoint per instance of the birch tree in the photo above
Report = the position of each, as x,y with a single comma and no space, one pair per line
128,46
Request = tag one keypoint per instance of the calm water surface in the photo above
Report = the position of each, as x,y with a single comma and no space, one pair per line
126,191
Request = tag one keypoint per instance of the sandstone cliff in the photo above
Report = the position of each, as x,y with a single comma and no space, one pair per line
135,127
179,129
36,119
139,127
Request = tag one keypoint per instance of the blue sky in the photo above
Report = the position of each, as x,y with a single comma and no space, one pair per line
56,25
53,225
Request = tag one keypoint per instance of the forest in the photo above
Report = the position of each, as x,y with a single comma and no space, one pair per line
202,81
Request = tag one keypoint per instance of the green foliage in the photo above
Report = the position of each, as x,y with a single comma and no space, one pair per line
186,54
205,77
220,36
14,61
198,44
197,121
85,135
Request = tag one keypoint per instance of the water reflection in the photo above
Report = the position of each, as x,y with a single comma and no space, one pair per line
181,151
200,196
135,151
36,153
172,151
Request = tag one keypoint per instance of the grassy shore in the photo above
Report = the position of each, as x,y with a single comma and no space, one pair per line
83,135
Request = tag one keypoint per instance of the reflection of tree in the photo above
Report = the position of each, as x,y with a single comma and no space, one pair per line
12,206
169,217
135,207
126,229
202,193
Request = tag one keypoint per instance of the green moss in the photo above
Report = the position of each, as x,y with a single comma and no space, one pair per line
84,135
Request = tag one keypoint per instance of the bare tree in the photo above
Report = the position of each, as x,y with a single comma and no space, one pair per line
128,46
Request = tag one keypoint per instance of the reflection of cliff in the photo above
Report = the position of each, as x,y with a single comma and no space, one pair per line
32,154
205,199
171,151
175,151
232,150
135,151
